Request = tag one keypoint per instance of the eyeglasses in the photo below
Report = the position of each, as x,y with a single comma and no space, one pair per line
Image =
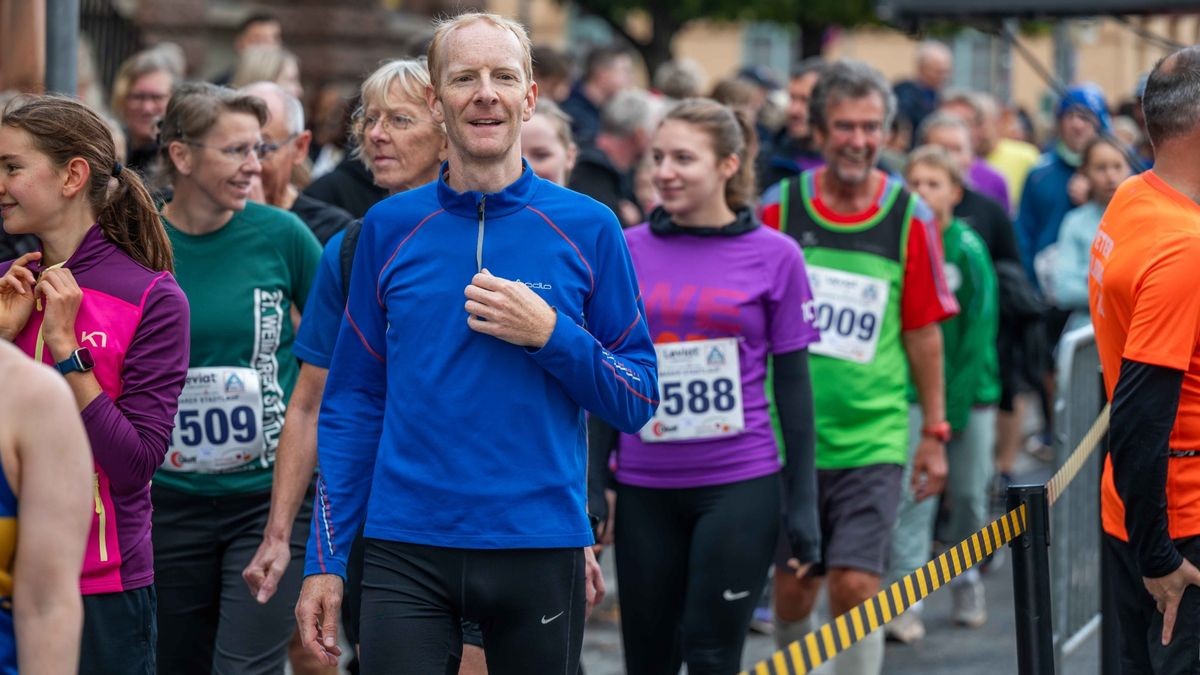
269,149
239,153
390,122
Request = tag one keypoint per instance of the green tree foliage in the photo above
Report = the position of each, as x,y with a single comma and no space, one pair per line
668,17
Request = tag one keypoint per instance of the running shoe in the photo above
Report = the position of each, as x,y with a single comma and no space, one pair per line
763,621
906,628
970,608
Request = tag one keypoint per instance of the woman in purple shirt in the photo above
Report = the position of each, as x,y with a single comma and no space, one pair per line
698,489
98,301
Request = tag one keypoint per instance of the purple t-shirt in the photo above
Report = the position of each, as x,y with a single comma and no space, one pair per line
751,286
988,182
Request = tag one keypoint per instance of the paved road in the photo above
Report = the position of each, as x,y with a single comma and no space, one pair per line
947,649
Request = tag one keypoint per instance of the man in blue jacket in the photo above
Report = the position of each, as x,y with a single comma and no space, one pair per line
487,311
1082,114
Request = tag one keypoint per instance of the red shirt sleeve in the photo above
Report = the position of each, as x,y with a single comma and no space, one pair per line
927,297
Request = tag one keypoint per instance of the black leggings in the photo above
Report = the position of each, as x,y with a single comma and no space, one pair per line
529,604
691,565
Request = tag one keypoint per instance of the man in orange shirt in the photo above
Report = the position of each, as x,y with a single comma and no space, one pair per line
1145,306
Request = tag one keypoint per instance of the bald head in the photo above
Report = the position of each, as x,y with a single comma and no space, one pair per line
1171,102
286,111
934,64
285,138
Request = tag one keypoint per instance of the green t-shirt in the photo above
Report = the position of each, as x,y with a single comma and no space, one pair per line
972,370
241,283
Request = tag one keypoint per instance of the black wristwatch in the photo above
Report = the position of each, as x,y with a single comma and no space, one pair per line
80,361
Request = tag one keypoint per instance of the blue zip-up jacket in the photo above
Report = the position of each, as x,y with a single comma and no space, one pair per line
1044,202
441,436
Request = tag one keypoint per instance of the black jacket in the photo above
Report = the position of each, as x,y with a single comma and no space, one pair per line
349,186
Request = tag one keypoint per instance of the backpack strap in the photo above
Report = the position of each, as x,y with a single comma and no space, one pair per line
346,254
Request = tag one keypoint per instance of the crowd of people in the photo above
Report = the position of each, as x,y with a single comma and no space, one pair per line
396,370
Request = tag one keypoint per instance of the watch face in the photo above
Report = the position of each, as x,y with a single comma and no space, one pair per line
85,358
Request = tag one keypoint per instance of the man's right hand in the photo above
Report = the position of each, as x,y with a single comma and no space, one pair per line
317,614
267,566
1168,591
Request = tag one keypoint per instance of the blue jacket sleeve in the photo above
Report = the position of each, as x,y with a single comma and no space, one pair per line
608,366
324,309
351,419
1028,224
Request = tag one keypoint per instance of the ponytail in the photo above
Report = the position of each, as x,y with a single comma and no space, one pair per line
64,129
131,221
742,190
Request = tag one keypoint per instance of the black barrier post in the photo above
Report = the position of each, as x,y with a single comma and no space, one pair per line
1031,582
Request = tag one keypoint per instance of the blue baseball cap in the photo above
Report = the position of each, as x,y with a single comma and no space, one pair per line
1085,97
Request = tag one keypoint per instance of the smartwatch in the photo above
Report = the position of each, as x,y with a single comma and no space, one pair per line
939,431
80,361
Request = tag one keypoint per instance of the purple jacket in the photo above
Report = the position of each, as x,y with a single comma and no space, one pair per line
134,321
988,182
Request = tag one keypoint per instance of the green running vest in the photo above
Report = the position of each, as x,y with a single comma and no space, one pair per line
859,370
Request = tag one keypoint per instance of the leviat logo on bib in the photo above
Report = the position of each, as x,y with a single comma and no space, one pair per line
700,391
849,313
219,423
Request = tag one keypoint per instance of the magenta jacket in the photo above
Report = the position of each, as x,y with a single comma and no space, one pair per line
135,323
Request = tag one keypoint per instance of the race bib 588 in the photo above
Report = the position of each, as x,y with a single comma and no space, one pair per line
700,391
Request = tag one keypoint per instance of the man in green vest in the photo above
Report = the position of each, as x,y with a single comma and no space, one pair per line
876,270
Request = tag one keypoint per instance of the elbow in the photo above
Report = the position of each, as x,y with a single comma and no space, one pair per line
139,467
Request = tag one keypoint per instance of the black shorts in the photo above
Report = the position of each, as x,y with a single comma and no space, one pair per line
529,604
857,508
120,632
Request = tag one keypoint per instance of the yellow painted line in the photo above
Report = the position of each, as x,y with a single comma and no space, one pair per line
897,600
954,559
931,574
944,559
975,544
762,669
912,593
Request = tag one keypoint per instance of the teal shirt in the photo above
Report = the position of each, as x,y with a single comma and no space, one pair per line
969,338
242,282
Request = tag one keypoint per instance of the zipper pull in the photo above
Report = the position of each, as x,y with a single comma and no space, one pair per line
479,239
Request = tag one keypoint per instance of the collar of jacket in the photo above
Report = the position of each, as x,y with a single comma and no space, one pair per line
511,199
661,224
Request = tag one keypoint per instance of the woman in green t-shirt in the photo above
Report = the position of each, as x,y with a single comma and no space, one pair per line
246,269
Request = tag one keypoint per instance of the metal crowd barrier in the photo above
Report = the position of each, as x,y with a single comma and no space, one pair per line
1075,519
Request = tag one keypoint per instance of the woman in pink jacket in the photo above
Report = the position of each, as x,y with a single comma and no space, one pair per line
98,301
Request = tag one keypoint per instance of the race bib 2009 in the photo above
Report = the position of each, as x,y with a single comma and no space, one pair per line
219,423
849,313
700,391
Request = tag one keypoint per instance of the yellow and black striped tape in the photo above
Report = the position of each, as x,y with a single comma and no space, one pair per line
1070,468
837,636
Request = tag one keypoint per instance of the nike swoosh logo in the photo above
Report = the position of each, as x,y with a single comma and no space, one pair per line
546,621
730,596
